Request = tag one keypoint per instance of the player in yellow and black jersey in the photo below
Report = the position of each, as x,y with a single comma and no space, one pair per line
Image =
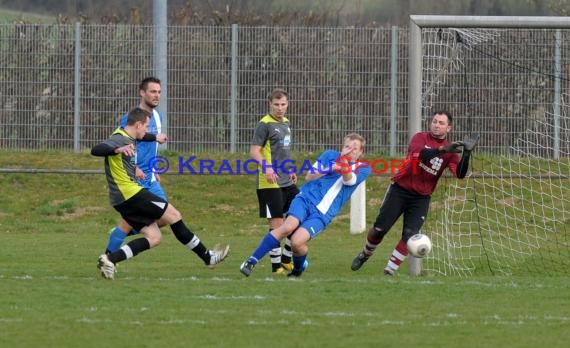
143,210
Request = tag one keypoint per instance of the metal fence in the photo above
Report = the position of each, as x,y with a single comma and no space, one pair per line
65,86
63,83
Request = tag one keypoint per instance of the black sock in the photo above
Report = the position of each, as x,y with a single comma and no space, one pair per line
186,237
287,252
136,246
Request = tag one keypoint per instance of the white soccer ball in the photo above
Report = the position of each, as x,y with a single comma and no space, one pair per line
419,245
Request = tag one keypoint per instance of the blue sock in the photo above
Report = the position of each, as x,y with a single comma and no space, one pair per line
116,239
267,243
299,263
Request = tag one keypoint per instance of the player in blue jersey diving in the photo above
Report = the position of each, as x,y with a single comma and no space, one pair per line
326,190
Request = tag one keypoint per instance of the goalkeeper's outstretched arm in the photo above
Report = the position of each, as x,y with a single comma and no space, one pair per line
468,145
463,165
427,154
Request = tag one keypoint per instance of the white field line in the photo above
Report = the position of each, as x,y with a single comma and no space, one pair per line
312,279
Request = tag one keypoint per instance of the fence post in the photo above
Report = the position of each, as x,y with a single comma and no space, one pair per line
77,91
160,49
557,70
394,93
414,103
234,89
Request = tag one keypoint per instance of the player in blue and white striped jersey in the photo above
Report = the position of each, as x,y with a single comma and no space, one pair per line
326,190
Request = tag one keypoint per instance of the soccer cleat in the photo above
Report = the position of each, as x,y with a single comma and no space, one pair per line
359,261
389,272
106,267
280,270
218,255
246,268
287,266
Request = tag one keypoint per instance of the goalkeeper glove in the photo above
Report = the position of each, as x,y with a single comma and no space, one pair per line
470,142
452,147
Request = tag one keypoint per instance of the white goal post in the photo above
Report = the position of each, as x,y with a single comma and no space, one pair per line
358,209
507,79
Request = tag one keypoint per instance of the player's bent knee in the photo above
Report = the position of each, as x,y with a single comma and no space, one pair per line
297,245
376,233
299,241
408,233
171,215
289,226
154,239
152,234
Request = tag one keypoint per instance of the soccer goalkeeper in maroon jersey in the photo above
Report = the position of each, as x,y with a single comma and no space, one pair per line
409,194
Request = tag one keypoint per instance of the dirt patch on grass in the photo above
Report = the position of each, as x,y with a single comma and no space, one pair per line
79,212
231,210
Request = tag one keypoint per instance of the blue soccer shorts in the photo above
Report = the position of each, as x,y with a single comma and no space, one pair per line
310,218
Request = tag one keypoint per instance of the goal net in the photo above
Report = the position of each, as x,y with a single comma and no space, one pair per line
510,83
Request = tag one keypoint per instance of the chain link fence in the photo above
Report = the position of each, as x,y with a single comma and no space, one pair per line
66,83
65,86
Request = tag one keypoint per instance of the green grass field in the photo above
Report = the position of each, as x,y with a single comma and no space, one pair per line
10,16
54,226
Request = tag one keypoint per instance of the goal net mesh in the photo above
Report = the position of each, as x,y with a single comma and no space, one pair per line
511,215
